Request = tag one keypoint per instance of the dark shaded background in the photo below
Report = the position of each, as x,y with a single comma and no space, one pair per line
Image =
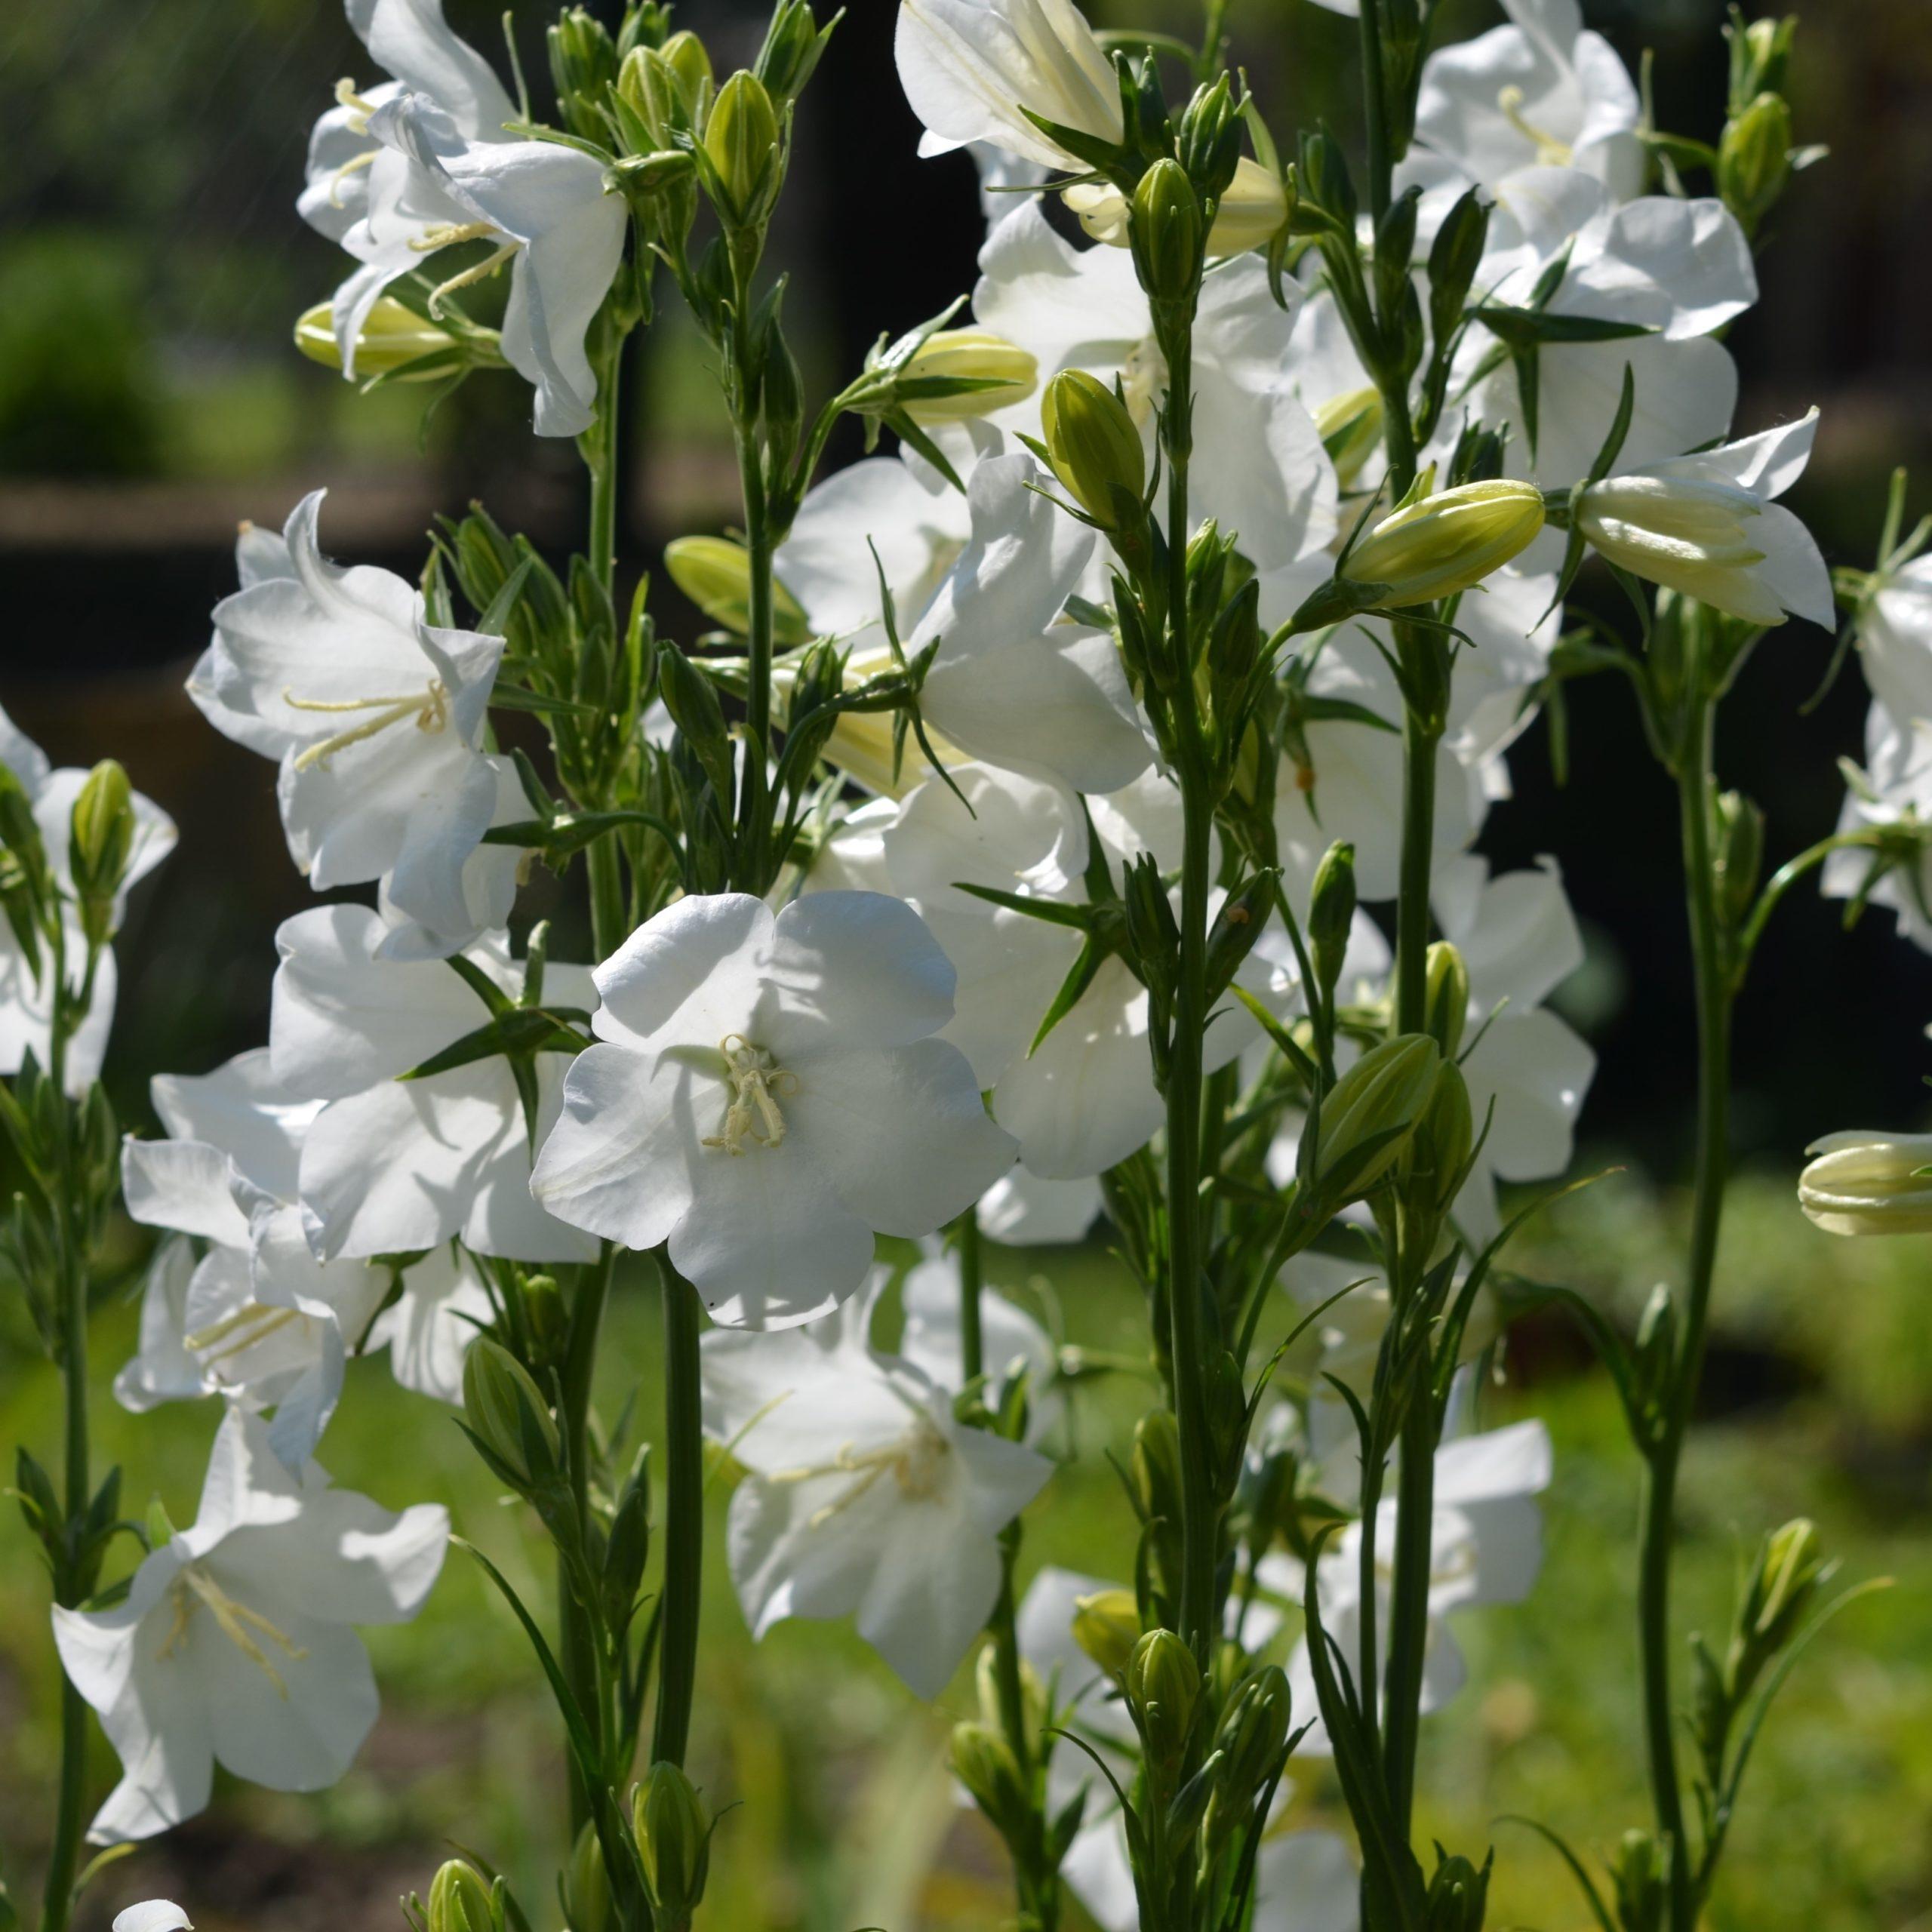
151,264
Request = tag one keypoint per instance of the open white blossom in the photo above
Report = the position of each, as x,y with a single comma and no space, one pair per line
1706,524
1486,1548
1894,789
376,715
26,997
1012,1344
152,1915
410,40
1893,627
1022,1210
541,207
766,1093
863,1496
1541,90
392,1166
970,68
236,1642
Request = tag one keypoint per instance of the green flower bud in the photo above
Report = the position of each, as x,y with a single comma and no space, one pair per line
716,574
504,1408
792,45
1759,54
584,65
673,1841
100,842
1433,1162
587,1884
1858,1183
1209,138
644,175
1783,1581
1351,427
686,57
983,1762
1164,231
1753,158
1368,1115
1740,853
1640,1875
1453,258
460,1898
668,87
1331,914
1448,543
691,699
1458,1894
1106,1626
741,137
1253,1741
1156,1465
1445,997
1094,447
391,339
1163,1684
977,356
1236,926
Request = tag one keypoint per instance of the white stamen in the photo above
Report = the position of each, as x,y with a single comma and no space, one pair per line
1551,151
236,1622
430,709
757,1084
914,1460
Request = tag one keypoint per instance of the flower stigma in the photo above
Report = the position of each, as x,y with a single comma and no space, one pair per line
915,1460
757,1083
1551,151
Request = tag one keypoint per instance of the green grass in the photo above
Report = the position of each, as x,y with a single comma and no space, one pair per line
844,1813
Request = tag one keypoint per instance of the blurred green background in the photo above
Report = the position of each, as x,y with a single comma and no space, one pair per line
151,267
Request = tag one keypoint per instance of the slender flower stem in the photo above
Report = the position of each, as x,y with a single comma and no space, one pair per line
599,445
1381,166
684,1519
1715,995
972,1342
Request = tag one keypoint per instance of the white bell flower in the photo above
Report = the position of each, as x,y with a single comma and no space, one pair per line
392,1166
1894,789
1518,938
376,715
152,1915
864,1496
1543,89
1022,1210
236,1642
542,208
1259,466
969,67
1706,524
26,998
410,40
1486,1547
766,1093
1012,1344
1894,633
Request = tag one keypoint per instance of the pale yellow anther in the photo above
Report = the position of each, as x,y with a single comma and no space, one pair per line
429,707
757,1084
1551,151
242,1627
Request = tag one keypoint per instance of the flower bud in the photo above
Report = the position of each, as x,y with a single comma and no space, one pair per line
587,1884
983,1762
507,1414
1238,924
1163,1684
1759,54
1454,256
716,574
1640,1874
668,87
1164,233
1458,1894
1331,914
1208,137
1693,534
459,1899
1783,1579
1860,1184
583,65
1445,997
1740,853
1351,427
1754,159
1448,543
972,355
1253,1741
1156,1465
1368,1115
741,137
792,45
1094,447
100,842
392,337
1106,1626
1438,1151
1250,215
673,1841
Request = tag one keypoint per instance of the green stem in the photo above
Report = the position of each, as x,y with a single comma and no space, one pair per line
1415,1481
972,1340
1375,113
599,446
1714,993
609,923
684,1519
579,1639
1778,884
